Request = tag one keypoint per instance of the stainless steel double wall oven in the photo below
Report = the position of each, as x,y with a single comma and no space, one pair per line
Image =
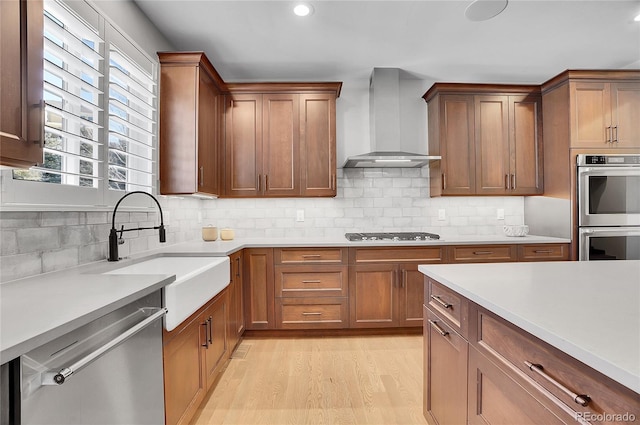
609,207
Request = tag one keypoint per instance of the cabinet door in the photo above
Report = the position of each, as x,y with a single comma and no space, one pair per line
445,372
411,296
208,135
495,398
21,83
259,297
317,145
590,115
216,348
280,145
492,144
525,145
625,102
243,145
458,162
184,384
236,313
372,296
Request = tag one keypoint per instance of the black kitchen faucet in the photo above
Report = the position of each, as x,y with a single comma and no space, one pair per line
113,234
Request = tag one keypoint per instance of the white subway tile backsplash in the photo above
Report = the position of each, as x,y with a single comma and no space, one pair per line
60,259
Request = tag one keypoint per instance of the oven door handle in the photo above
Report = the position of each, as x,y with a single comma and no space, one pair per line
59,378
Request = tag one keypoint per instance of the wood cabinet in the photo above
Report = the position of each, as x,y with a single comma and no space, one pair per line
258,281
489,137
311,288
509,376
385,288
191,124
483,253
280,140
194,354
21,83
236,301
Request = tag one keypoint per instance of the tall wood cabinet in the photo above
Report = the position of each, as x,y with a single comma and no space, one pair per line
191,124
489,137
280,140
21,83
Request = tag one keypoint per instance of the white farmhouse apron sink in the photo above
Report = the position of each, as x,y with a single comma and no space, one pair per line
198,279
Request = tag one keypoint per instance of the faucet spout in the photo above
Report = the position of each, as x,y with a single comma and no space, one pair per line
113,234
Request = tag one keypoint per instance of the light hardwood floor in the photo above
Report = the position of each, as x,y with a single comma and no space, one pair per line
330,380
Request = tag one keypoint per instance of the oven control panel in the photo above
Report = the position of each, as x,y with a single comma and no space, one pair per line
609,159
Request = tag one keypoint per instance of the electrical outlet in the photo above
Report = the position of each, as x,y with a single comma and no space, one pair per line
300,215
442,214
500,215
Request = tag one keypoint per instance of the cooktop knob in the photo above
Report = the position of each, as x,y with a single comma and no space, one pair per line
396,238
373,238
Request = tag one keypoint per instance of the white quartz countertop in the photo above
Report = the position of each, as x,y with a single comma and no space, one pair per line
37,309
589,310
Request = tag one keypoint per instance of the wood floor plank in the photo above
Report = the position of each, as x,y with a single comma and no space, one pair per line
355,380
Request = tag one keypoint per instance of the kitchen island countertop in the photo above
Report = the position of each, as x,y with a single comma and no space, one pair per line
589,310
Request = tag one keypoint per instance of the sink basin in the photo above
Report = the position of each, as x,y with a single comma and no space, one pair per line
198,279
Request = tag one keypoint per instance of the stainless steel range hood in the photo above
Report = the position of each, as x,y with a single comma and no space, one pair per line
384,123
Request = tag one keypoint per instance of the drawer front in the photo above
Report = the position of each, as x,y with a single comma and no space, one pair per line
310,255
516,349
448,305
433,254
483,253
312,313
543,252
318,281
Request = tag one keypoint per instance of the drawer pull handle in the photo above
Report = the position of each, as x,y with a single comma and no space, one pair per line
312,281
482,252
438,328
543,251
581,399
311,256
444,304
306,313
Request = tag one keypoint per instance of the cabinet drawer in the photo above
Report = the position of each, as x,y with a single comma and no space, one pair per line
511,347
448,305
310,255
543,252
311,281
312,313
397,255
483,253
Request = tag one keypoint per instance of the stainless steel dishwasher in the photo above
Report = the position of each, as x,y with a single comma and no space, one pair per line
106,372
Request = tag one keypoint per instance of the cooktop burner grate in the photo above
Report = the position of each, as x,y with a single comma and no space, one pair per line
392,236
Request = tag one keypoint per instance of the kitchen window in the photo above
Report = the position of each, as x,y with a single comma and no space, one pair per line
100,94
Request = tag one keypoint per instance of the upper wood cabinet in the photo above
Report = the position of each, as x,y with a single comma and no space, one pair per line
604,114
280,140
21,83
489,137
191,124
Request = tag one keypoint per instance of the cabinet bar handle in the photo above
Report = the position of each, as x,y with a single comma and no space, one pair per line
444,181
266,182
581,399
259,182
438,328
543,251
615,137
311,256
206,336
444,304
201,176
308,313
210,322
513,182
312,281
238,267
506,181
609,135
482,252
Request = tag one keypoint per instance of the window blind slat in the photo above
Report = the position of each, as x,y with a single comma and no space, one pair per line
70,39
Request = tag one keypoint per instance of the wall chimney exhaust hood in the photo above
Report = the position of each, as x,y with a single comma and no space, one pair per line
384,123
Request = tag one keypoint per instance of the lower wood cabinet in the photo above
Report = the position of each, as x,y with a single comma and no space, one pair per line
194,354
236,301
259,298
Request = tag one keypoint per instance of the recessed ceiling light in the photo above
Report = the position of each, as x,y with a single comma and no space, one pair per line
482,10
303,9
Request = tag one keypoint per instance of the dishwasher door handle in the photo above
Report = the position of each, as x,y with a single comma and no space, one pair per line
59,378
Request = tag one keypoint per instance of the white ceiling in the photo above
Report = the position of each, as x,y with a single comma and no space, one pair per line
531,41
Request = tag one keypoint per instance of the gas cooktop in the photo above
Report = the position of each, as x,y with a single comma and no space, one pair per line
392,236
